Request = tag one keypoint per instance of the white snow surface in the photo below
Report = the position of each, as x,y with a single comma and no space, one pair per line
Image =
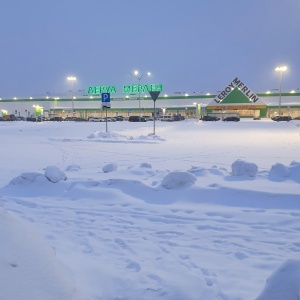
199,210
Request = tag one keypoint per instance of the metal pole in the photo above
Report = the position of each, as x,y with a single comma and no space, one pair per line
72,97
279,108
106,119
154,119
139,99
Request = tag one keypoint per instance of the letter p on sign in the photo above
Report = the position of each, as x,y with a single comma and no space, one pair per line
105,97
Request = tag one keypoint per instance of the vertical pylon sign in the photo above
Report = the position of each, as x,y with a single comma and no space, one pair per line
154,96
105,97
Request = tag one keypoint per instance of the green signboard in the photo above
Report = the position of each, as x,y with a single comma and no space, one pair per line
127,89
139,88
99,89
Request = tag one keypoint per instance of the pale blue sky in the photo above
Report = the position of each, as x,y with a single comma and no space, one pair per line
188,45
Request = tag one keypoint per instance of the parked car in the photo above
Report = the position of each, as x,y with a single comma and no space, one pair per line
42,119
10,117
283,118
256,118
80,120
136,119
70,118
147,118
109,119
20,118
95,119
177,118
232,119
167,119
56,119
209,118
2,119
275,117
31,119
297,118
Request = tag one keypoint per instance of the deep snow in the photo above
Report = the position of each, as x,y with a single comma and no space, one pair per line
198,211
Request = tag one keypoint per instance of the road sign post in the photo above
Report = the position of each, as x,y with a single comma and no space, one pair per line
105,103
154,96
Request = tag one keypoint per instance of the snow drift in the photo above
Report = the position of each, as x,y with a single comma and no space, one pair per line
284,283
23,256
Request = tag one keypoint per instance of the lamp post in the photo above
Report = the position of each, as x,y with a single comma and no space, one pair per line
280,69
72,79
139,78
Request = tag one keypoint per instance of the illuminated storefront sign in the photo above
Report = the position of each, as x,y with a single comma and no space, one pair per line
127,89
139,88
38,110
99,89
237,83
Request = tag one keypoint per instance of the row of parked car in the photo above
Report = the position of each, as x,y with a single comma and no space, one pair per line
214,118
237,119
167,118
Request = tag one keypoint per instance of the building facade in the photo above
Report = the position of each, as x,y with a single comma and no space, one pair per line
234,102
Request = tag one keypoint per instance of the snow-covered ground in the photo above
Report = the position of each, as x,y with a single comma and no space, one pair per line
201,210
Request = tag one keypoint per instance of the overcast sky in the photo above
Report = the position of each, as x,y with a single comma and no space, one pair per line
191,46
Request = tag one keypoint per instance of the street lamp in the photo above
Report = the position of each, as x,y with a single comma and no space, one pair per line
280,69
139,77
72,79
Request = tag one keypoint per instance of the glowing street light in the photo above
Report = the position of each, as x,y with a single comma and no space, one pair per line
72,79
137,75
280,69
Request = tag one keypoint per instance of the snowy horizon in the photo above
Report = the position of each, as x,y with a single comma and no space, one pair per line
201,210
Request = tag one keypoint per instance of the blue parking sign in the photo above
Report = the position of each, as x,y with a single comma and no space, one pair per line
105,97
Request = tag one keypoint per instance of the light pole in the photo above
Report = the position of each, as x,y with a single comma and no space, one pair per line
139,77
280,69
72,79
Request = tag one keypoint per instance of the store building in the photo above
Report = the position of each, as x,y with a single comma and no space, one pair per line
236,98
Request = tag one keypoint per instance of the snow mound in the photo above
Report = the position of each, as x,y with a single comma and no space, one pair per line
109,136
54,174
175,180
279,170
150,136
241,167
146,165
28,178
110,168
284,283
29,268
295,171
73,168
197,171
